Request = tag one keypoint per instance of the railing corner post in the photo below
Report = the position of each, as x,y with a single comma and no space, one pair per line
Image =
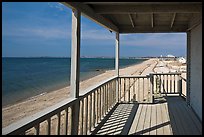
75,118
180,85
151,88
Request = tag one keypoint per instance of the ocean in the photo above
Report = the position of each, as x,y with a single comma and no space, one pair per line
23,78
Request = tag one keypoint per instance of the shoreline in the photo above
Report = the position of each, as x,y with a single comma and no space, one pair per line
29,93
52,90
37,103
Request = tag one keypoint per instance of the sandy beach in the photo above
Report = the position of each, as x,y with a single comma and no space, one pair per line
20,110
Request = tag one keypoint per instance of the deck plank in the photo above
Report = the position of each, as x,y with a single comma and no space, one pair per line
190,129
114,118
146,128
195,120
135,121
140,124
172,107
159,120
183,120
167,128
153,131
164,118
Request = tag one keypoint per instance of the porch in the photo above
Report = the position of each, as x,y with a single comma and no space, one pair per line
151,104
171,116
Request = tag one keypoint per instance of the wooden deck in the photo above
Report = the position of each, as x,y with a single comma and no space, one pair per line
168,117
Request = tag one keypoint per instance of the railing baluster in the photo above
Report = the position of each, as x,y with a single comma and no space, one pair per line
107,97
58,123
124,88
37,130
113,93
86,115
139,89
100,105
110,94
48,126
90,111
160,84
168,83
174,83
104,101
94,110
66,121
97,105
143,90
82,115
120,91
109,91
128,90
163,84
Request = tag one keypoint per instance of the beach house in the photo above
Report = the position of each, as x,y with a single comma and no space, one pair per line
115,106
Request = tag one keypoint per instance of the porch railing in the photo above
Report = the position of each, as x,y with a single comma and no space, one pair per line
95,103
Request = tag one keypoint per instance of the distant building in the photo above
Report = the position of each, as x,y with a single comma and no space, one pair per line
170,56
182,60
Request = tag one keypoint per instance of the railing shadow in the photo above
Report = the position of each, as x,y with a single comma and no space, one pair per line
118,121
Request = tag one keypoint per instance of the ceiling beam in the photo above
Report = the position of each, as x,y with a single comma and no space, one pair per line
131,20
90,13
173,19
195,21
155,8
149,29
136,3
152,19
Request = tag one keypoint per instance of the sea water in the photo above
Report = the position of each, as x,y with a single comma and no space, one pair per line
23,78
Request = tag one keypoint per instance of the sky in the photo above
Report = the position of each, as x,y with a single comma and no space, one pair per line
36,29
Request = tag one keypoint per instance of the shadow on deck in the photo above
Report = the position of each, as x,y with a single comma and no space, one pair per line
170,116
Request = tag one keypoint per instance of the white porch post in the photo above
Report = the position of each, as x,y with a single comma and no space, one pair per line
117,42
75,68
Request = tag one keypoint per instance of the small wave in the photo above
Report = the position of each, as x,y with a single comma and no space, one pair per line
38,95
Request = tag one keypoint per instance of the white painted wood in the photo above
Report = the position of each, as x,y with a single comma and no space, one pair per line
173,19
152,19
140,124
165,119
148,29
117,50
153,131
148,8
91,14
75,67
75,53
131,20
159,120
147,122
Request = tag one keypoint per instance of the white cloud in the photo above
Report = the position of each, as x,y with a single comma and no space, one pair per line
46,33
59,6
167,40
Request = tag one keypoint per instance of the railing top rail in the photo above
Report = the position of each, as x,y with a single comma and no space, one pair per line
183,78
170,73
94,87
31,121
133,76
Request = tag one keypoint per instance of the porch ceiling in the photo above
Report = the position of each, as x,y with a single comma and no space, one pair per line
142,17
